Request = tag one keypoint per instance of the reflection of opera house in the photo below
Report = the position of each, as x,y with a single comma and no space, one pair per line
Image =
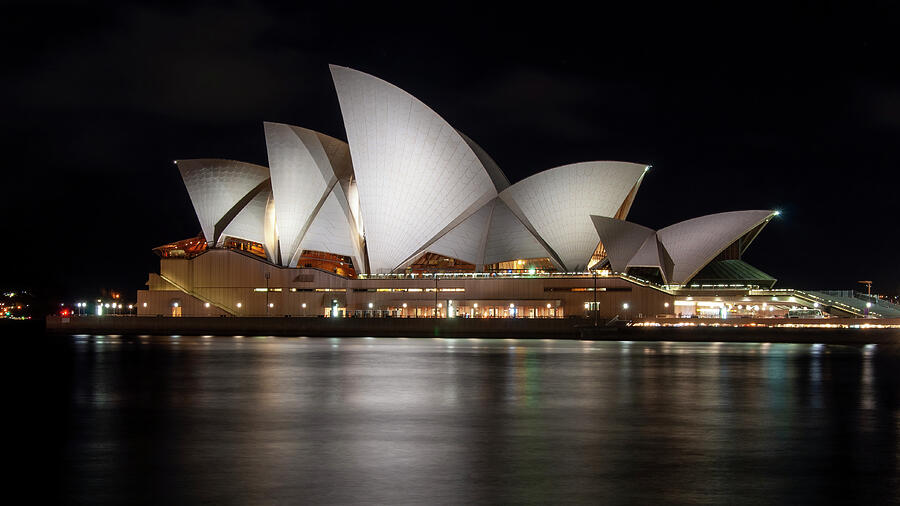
412,218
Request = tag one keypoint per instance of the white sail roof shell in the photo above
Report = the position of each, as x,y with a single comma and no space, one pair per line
694,243
621,239
305,166
250,222
466,241
653,254
679,250
415,173
559,203
509,239
331,231
216,186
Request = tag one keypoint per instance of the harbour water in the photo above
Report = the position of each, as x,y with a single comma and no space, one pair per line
264,420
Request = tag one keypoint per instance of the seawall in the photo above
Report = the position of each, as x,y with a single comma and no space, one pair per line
568,328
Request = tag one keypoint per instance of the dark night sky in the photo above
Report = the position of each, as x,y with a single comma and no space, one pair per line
741,106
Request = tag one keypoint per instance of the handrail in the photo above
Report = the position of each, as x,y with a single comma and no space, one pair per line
204,299
518,275
815,298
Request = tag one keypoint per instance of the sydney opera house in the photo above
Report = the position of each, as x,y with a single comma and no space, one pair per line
411,218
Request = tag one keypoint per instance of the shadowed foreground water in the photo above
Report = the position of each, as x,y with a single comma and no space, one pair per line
224,420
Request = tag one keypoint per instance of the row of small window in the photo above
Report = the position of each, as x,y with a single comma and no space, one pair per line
408,289
582,289
363,289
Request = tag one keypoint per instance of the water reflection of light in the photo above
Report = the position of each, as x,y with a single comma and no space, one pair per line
869,350
867,396
815,375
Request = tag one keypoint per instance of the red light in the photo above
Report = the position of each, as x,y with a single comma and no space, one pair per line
64,312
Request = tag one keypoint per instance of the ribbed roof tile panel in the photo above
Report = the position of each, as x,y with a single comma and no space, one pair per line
647,254
300,162
497,176
509,239
330,230
559,203
216,185
621,239
250,223
465,241
694,243
415,173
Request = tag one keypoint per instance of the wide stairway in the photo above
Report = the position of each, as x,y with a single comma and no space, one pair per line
856,300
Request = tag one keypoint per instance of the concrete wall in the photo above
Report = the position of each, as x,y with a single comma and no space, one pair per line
227,278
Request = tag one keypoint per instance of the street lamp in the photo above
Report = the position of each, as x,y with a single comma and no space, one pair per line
267,293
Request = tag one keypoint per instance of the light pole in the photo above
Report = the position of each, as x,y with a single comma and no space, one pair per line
267,293
435,293
596,313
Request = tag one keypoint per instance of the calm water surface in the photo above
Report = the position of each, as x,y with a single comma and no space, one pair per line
250,420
